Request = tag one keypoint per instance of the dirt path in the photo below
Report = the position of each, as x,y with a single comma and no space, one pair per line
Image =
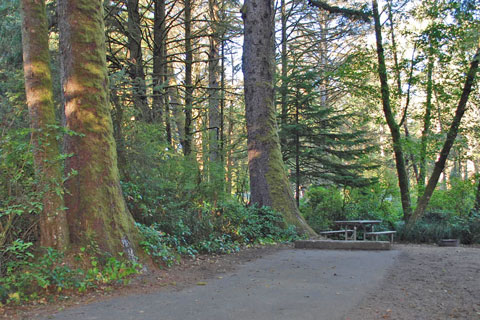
427,282
288,284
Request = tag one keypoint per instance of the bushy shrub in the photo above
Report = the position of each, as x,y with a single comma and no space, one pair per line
214,229
321,206
440,225
157,245
19,200
457,200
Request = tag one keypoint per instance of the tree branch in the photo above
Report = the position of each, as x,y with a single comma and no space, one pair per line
349,13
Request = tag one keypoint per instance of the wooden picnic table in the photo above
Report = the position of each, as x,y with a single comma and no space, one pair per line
364,225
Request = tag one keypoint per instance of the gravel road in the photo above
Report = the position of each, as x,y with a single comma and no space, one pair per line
286,284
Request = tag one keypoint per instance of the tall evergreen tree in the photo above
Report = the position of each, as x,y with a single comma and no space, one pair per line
38,87
96,208
188,138
321,143
135,62
269,185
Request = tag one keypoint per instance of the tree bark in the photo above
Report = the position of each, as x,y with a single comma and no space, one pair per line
39,93
216,168
297,149
159,63
269,185
187,143
476,206
426,125
135,62
284,61
451,135
175,105
96,207
398,77
389,116
214,119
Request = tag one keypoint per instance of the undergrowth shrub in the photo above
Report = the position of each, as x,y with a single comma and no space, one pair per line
32,274
19,200
213,229
321,206
440,225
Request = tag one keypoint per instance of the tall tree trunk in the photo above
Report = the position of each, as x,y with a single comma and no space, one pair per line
135,61
159,63
214,99
117,119
426,125
187,144
400,91
54,230
284,81
222,97
213,83
269,185
96,207
228,140
297,149
476,206
451,135
389,116
175,106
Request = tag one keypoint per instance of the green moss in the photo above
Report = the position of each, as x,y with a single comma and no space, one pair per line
96,204
38,84
281,195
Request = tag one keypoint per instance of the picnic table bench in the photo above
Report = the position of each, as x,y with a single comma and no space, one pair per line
345,232
365,227
379,233
358,225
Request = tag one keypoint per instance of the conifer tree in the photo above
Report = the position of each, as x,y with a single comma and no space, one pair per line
96,208
38,87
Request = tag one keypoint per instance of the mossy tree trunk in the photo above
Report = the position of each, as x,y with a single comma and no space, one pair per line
96,207
38,86
269,185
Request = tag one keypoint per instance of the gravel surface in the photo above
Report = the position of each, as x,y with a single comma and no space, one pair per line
285,285
426,282
409,282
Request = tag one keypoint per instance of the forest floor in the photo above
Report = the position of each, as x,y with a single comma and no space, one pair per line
278,282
